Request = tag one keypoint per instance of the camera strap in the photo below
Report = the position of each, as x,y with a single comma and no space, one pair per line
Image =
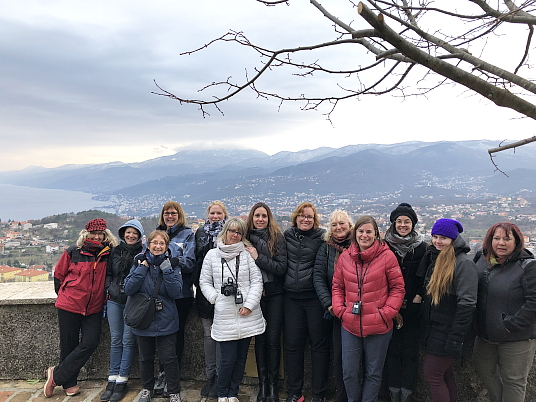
361,278
237,266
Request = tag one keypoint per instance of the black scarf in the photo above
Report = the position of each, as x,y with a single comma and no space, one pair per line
212,231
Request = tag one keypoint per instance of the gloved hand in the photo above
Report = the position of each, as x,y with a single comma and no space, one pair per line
454,348
174,262
165,264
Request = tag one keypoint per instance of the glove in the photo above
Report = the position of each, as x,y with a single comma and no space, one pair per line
166,264
454,348
174,262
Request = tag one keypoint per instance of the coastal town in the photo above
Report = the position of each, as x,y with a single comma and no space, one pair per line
30,249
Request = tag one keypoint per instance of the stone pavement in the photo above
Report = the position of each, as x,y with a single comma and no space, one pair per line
22,391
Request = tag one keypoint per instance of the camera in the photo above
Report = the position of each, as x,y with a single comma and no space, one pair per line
356,308
229,288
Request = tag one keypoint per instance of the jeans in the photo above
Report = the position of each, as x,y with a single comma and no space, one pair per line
440,378
233,362
504,368
212,350
305,318
123,341
166,355
268,344
372,349
75,351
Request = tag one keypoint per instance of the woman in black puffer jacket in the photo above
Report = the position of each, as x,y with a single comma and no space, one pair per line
269,251
304,314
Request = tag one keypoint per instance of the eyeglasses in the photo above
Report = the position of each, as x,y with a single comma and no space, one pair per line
157,243
306,217
170,213
235,232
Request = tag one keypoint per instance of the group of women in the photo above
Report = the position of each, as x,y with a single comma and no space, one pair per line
371,298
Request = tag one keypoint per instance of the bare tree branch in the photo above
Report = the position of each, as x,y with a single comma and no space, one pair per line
512,145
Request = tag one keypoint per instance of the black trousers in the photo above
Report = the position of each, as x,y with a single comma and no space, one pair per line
167,357
268,344
402,356
79,337
304,318
340,391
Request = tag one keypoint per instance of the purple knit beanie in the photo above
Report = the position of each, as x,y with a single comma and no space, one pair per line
447,227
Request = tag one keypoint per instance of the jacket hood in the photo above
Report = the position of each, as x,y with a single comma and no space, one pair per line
460,245
133,223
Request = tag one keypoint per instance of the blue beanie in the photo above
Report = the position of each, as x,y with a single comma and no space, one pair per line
447,227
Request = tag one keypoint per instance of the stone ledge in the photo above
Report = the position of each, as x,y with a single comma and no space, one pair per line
27,293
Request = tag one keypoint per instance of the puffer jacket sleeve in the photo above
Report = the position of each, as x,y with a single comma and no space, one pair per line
395,282
526,315
134,280
206,280
466,287
320,276
255,286
338,290
277,264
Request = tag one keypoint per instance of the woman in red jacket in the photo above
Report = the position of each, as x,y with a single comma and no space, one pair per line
79,278
368,290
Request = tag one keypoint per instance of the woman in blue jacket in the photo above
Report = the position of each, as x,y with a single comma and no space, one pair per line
162,333
182,246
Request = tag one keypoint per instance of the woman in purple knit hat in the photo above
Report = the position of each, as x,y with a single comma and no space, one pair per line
450,289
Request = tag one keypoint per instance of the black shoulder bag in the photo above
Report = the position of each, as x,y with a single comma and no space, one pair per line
140,308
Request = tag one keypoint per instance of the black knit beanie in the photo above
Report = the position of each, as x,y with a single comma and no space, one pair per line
404,209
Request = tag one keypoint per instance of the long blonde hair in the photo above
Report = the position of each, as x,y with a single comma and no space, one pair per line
443,274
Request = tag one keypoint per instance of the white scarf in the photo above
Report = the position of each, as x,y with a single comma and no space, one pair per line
230,251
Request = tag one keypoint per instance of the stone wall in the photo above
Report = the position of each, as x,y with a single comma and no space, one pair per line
29,343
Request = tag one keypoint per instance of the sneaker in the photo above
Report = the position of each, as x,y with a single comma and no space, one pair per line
108,391
160,383
224,399
295,398
72,391
48,389
232,399
119,392
145,395
174,397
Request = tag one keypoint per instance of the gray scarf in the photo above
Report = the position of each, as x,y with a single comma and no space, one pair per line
230,251
402,245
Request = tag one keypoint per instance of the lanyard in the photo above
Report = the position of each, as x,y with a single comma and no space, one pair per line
235,278
361,277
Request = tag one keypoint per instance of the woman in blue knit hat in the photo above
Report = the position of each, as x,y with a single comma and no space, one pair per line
450,289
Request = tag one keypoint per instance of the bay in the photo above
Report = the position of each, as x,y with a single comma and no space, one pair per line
22,203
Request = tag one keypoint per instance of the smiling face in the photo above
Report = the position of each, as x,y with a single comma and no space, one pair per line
96,235
403,225
157,245
503,244
215,214
131,235
171,217
306,220
340,229
233,236
260,218
365,236
440,242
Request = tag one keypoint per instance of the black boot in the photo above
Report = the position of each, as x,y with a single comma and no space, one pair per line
273,391
262,370
108,392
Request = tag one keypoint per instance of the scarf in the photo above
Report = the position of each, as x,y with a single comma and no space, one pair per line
402,244
93,247
230,251
155,260
127,253
212,231
339,245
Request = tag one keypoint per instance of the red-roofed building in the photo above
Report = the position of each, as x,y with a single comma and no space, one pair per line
31,275
8,273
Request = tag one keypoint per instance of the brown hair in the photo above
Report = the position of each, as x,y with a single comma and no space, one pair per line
299,210
362,220
273,228
509,228
177,207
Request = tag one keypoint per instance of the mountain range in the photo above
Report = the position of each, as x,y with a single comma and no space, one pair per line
411,169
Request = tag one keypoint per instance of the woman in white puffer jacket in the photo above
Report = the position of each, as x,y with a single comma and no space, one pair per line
233,283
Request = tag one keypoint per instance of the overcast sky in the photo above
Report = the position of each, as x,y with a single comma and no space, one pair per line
76,80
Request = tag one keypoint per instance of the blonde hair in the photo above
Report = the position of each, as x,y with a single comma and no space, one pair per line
234,223
108,238
221,205
443,274
177,207
336,216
